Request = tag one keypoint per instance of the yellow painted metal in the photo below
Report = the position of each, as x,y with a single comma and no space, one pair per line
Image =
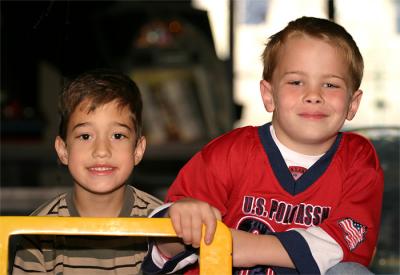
215,258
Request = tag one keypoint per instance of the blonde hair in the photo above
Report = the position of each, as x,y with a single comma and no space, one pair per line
319,28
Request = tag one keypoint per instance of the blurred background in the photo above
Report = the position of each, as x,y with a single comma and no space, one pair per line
198,66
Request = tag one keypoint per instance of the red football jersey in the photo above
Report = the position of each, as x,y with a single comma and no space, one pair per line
243,174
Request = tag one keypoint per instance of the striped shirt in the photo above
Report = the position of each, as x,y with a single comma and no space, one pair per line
56,254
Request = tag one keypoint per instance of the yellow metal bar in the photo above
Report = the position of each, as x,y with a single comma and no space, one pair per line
215,258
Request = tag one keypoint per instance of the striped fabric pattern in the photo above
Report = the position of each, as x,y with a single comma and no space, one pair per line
85,254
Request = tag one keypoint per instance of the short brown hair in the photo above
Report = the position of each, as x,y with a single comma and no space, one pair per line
100,86
318,28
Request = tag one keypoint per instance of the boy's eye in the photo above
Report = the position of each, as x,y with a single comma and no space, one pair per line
331,85
295,82
119,136
84,137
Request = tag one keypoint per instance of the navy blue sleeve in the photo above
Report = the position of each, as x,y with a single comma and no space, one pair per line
148,265
299,252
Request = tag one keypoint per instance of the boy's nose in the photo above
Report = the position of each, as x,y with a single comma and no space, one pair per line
313,96
101,149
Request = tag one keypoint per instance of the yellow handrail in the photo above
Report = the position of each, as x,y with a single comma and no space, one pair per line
215,258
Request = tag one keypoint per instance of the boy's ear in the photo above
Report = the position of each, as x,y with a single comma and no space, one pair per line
61,149
267,96
354,104
139,150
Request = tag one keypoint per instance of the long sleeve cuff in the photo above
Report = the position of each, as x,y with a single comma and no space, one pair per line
178,262
154,263
300,253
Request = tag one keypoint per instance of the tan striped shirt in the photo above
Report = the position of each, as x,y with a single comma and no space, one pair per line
85,254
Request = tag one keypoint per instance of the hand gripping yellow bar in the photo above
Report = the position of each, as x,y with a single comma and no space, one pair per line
215,258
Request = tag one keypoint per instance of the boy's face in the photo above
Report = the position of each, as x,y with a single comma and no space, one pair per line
100,147
309,95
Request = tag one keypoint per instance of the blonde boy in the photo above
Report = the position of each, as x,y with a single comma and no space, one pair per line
299,195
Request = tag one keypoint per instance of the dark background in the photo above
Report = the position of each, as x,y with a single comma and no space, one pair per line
70,37
45,43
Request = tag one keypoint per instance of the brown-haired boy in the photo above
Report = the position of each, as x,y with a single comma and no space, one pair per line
100,140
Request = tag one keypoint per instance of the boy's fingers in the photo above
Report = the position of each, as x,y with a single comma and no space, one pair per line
189,215
186,225
211,224
176,223
196,231
217,213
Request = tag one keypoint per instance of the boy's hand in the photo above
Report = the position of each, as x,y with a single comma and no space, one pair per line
188,215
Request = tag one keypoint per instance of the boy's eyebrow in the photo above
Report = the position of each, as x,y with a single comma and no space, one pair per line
326,75
82,124
294,72
123,125
335,76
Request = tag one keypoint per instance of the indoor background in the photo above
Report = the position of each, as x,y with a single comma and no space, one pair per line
198,66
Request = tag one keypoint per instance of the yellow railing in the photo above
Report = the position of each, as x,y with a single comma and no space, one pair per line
215,258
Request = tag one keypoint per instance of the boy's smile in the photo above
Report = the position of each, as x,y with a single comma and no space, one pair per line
313,115
100,147
102,170
309,94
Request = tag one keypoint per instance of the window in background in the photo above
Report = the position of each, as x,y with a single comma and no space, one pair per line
218,13
251,12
